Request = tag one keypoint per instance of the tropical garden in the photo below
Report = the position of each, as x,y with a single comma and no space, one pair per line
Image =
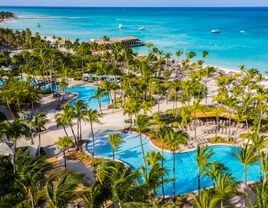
146,82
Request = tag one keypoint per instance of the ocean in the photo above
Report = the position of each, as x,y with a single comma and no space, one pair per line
243,39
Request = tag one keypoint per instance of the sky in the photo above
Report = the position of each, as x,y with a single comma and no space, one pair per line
137,3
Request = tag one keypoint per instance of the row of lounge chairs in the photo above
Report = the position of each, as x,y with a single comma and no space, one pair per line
221,123
221,130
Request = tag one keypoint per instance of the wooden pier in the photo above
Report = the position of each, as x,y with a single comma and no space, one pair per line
129,41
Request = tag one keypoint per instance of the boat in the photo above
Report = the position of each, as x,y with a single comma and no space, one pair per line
215,31
120,26
38,25
141,28
242,31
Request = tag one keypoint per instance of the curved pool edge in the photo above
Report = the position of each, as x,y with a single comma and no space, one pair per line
77,94
185,151
84,148
169,151
159,149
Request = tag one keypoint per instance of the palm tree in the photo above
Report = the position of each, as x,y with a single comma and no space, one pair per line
206,199
94,196
264,165
173,140
13,131
259,142
38,122
202,159
225,186
7,99
98,95
230,103
213,170
204,55
153,158
142,124
115,140
261,98
64,143
131,108
65,118
30,173
154,179
162,135
62,188
206,72
93,117
61,121
120,183
80,108
246,102
246,156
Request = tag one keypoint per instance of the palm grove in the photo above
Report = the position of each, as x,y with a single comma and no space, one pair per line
146,81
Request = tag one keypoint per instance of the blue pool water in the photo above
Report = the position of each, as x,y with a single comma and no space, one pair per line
186,167
170,29
84,93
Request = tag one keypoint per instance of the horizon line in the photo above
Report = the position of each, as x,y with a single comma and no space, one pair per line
42,6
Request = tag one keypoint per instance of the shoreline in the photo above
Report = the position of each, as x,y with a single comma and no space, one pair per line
50,38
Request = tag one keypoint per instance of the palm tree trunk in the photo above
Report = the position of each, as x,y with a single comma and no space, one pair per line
229,120
80,127
113,155
74,135
93,142
77,130
195,127
245,177
162,163
260,166
14,155
143,155
174,177
246,115
64,128
99,102
39,141
199,183
131,122
158,104
259,123
64,159
32,199
176,104
10,111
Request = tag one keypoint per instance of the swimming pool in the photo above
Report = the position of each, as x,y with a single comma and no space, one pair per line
84,93
186,167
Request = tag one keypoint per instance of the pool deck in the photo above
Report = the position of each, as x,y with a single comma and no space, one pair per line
110,120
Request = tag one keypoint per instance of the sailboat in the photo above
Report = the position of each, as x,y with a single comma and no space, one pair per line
120,26
38,25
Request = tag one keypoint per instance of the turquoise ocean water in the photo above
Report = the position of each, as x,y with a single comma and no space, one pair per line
170,29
